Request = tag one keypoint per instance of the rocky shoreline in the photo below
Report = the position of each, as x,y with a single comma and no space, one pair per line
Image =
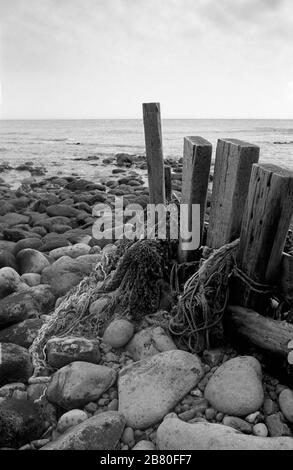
132,388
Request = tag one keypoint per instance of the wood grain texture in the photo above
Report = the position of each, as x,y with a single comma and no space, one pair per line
197,155
154,152
264,229
234,160
168,182
270,335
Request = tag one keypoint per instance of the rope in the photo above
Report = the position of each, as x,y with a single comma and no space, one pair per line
203,302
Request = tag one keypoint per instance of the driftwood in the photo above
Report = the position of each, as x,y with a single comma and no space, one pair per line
267,334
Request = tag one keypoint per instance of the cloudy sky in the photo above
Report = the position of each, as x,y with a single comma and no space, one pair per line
103,58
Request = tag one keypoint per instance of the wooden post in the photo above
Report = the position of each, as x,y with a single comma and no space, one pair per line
264,229
168,182
197,155
287,279
154,152
234,160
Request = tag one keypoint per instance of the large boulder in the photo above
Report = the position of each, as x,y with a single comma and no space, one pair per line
150,388
73,251
17,307
33,243
12,218
101,432
30,303
62,210
79,383
150,341
23,333
174,434
31,261
236,387
63,351
9,281
20,422
66,273
15,364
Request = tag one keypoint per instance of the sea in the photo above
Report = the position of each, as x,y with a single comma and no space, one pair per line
78,147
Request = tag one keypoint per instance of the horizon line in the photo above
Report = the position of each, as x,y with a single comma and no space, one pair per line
140,119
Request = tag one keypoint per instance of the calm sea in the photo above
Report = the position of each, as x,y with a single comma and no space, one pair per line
62,146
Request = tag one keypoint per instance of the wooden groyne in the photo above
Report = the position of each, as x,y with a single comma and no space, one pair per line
249,201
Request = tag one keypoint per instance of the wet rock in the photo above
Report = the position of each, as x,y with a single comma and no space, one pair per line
31,261
63,351
124,159
9,280
7,259
23,333
12,218
118,333
101,432
62,210
69,419
15,364
286,404
174,434
148,342
52,242
33,243
79,383
74,251
17,307
237,423
66,273
236,387
31,279
213,357
276,426
150,388
20,422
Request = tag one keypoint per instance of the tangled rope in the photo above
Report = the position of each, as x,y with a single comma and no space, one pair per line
204,299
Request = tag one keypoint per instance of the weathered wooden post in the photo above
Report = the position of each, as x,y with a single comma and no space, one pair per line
168,182
234,160
265,225
197,155
154,152
287,279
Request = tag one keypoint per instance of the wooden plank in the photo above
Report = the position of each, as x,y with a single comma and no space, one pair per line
197,155
264,229
154,152
234,160
168,182
270,335
286,283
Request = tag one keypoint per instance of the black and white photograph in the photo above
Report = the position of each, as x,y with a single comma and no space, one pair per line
146,229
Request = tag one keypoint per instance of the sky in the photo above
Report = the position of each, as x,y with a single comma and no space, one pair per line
76,59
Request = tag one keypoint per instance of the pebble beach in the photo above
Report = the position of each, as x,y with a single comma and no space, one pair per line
132,388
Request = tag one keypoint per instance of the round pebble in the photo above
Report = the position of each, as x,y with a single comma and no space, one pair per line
260,430
71,418
118,333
